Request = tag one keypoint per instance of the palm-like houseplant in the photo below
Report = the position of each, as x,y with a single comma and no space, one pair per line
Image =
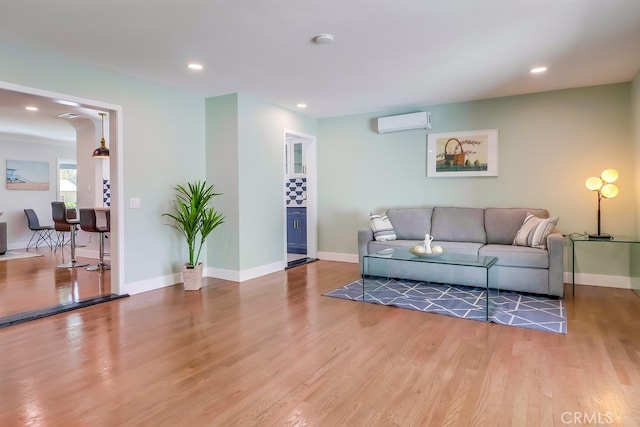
195,219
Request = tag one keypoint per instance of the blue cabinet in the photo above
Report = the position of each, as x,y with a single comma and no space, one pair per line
297,230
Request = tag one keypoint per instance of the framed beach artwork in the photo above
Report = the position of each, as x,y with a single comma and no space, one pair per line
461,154
27,175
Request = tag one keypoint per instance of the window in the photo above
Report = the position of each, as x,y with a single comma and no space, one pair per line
67,181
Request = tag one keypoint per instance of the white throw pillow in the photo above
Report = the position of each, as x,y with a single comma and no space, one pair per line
382,228
534,231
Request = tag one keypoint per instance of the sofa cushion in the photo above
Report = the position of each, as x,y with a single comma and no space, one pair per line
534,231
502,224
517,256
464,248
411,223
458,224
381,227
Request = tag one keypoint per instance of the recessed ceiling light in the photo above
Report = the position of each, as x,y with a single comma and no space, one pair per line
323,38
194,66
301,105
536,70
31,108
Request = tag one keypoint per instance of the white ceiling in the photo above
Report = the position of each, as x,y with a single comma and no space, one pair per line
42,126
386,55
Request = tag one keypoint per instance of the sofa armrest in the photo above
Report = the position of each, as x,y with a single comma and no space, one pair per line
555,246
365,235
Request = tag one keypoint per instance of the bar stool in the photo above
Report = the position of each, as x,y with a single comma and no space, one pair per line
62,227
61,219
89,223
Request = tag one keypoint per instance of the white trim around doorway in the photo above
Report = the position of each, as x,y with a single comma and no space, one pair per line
116,173
312,194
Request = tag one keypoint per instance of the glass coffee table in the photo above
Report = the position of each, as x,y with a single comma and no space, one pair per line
379,262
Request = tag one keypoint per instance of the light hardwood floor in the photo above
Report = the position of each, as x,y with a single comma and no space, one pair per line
35,283
274,352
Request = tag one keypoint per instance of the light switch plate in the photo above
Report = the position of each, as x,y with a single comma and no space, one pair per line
134,202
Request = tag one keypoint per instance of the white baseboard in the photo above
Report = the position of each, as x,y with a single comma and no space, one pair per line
151,284
241,276
18,246
87,253
80,251
622,282
336,256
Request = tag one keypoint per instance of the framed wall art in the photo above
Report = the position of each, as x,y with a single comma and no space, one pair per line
27,175
463,154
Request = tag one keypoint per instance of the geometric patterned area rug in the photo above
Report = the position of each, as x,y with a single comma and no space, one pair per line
17,255
505,307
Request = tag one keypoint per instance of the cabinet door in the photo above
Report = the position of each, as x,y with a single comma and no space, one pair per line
302,223
298,158
295,159
297,230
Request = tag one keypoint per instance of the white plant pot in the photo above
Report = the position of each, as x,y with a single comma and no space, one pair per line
192,277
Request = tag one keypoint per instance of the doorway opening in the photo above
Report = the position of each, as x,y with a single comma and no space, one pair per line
300,198
67,169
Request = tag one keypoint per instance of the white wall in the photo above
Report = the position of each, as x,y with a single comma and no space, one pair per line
13,202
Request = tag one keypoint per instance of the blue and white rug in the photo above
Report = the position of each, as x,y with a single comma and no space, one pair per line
506,308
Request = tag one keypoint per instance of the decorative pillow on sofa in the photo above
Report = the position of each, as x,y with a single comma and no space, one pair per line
534,231
381,227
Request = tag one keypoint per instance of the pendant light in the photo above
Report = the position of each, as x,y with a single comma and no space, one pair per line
101,152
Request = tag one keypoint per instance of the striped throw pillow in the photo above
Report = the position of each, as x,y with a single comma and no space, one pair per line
382,228
534,231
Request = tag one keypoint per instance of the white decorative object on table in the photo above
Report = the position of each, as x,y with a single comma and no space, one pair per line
437,249
427,243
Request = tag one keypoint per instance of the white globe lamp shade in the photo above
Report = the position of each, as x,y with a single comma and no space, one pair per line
609,191
593,183
609,175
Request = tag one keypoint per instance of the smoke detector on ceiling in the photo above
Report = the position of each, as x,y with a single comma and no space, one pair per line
323,38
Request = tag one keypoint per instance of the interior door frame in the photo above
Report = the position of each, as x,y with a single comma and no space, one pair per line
115,171
312,192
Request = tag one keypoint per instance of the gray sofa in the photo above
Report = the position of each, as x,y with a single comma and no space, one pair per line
3,238
474,231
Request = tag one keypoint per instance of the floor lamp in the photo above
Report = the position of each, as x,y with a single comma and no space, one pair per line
604,187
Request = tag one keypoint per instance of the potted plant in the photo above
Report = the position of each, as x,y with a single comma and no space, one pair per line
195,219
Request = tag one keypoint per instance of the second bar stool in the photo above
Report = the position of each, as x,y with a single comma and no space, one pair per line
89,223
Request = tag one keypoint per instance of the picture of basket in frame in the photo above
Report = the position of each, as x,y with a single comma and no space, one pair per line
463,154
457,156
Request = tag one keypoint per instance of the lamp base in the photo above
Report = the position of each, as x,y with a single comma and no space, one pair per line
600,237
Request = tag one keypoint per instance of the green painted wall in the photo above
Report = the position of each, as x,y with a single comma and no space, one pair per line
222,171
245,151
163,143
635,123
635,118
549,143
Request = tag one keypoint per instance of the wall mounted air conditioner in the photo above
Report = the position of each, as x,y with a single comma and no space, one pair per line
420,120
